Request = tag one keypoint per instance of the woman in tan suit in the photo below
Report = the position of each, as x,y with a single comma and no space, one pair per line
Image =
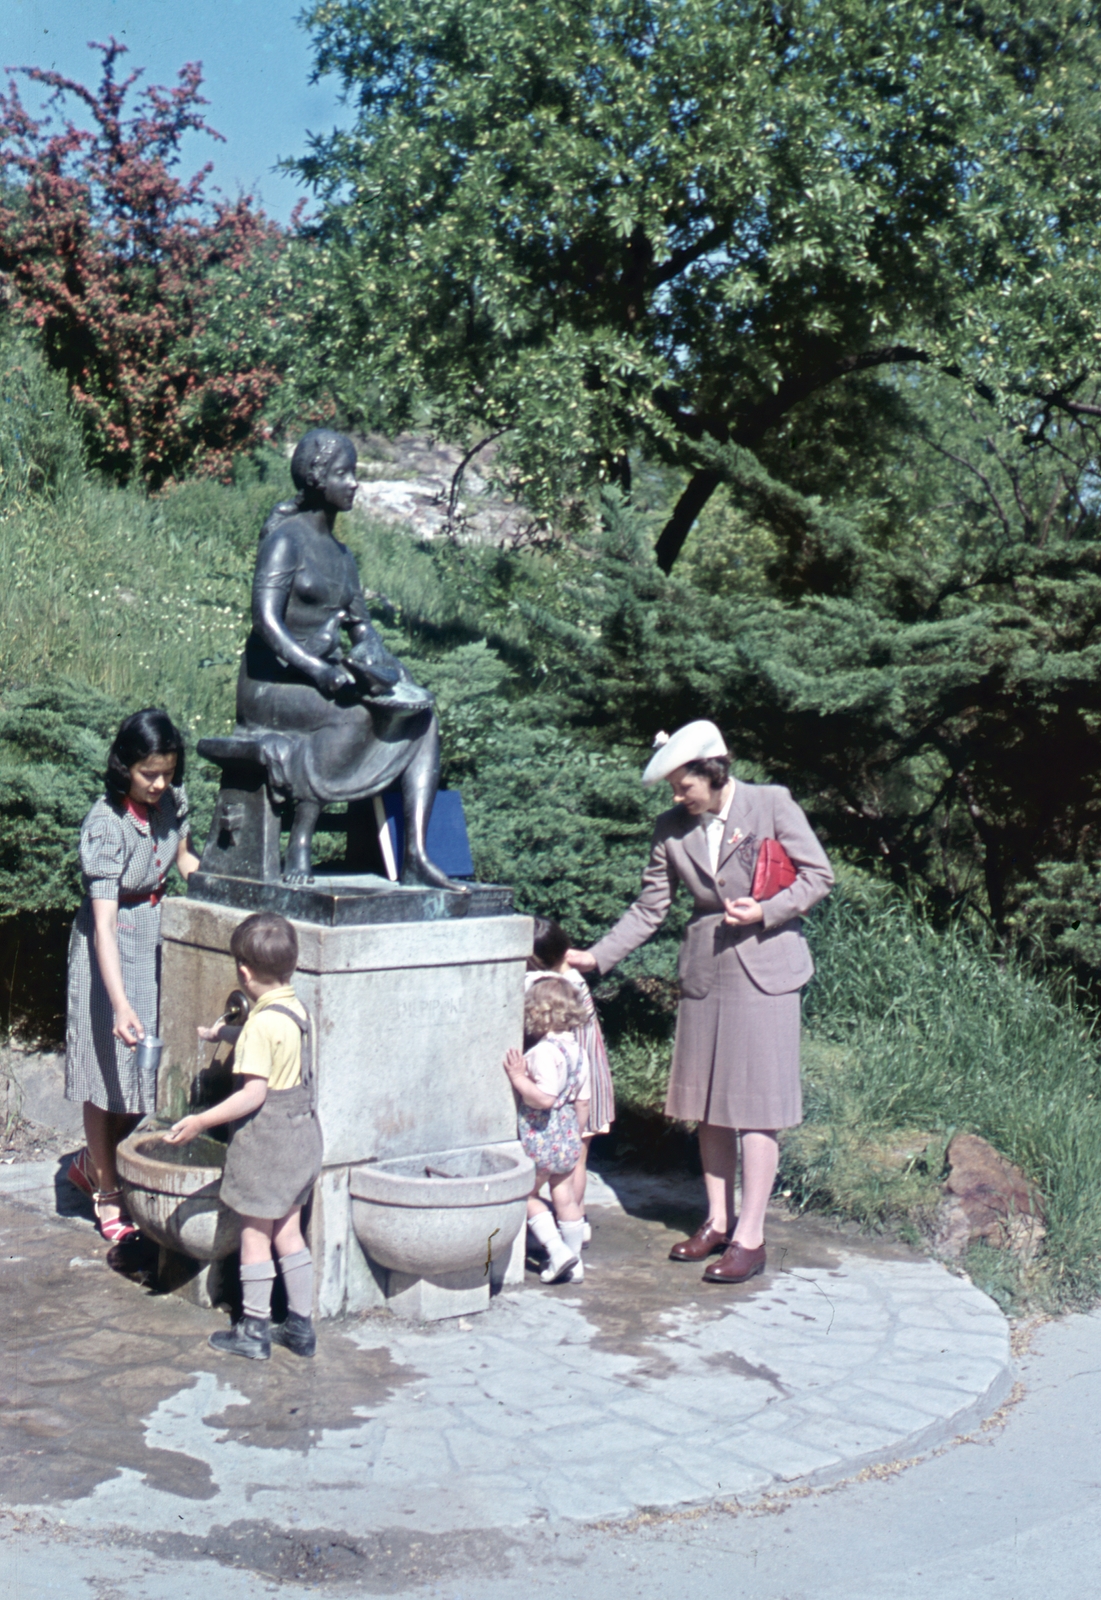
742,965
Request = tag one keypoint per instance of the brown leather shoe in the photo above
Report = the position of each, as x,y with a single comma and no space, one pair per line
706,1241
736,1265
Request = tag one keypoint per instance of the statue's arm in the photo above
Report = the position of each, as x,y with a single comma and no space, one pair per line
276,566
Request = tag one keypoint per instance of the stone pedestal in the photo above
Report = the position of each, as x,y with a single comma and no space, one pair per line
413,1019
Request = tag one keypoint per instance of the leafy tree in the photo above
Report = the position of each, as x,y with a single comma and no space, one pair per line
674,223
116,261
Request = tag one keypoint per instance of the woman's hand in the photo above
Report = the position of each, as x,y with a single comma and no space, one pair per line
740,913
186,859
583,960
184,1131
128,1027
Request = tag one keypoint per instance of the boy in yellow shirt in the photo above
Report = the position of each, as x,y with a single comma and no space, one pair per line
275,1152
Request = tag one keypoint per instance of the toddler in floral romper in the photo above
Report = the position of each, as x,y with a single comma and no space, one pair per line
551,1083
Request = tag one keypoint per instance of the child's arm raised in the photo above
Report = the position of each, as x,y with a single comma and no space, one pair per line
517,1071
249,1097
220,1033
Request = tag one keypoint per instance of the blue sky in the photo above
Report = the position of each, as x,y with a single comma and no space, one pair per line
256,68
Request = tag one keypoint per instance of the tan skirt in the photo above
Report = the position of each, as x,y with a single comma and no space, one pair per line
736,1056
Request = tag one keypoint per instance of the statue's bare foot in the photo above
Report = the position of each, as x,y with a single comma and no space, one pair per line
420,873
298,868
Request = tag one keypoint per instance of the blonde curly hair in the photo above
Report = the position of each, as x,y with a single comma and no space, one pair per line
551,1006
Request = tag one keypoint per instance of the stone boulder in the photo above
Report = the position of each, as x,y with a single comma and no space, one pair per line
987,1200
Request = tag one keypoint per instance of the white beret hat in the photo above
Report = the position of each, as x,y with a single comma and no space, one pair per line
694,742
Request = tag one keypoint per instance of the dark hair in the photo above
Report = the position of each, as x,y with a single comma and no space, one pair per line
552,1006
549,945
147,733
266,944
716,769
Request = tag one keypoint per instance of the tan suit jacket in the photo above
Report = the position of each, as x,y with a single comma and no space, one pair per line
774,952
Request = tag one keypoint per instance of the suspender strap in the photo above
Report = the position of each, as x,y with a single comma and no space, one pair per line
307,1043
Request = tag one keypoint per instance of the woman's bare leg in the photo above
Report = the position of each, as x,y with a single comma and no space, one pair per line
103,1133
719,1156
760,1158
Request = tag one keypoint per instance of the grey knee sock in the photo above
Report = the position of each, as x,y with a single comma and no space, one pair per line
256,1282
297,1271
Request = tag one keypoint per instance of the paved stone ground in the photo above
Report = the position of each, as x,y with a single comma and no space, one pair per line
400,1446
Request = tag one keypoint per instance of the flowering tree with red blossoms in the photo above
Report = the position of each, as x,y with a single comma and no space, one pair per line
119,264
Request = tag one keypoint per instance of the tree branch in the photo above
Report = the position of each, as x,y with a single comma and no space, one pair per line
695,496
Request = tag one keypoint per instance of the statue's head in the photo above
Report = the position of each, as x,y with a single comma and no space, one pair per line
321,458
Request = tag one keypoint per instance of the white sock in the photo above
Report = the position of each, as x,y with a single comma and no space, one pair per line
572,1235
545,1230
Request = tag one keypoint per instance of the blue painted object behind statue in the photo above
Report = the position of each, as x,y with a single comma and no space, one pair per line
447,841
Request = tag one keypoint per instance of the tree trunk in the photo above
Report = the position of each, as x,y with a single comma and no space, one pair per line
697,493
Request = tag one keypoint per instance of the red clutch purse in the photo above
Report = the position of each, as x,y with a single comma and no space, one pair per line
773,871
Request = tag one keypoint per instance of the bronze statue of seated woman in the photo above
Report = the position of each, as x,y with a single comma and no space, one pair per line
334,716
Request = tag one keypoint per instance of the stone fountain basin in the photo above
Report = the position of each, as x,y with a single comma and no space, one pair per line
442,1212
172,1193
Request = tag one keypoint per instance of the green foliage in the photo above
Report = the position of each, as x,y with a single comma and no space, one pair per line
40,440
1060,916
53,753
601,225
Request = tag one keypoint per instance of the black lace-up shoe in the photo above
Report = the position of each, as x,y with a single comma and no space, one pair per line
251,1337
296,1334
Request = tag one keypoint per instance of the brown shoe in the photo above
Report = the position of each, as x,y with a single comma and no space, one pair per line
737,1264
706,1241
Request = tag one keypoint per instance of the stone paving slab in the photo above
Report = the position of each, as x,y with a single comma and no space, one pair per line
640,1388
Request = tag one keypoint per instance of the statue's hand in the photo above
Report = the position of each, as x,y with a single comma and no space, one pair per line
331,679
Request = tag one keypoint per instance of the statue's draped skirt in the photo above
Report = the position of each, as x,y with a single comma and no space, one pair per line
327,748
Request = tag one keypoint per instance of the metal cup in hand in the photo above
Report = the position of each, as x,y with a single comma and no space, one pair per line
147,1056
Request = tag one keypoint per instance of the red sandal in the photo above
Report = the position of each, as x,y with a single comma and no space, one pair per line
119,1230
79,1175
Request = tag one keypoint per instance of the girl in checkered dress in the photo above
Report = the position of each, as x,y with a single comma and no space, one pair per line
128,841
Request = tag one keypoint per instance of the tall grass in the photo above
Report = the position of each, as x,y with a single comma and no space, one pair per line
914,1027
127,595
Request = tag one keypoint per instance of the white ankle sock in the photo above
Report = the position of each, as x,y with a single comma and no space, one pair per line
573,1234
545,1230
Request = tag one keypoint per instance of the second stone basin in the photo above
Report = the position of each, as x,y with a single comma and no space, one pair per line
441,1212
172,1193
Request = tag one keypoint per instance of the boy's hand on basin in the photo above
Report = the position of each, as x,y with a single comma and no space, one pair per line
184,1131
